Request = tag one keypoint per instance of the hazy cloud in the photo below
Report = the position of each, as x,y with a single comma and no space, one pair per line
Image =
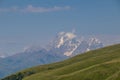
33,9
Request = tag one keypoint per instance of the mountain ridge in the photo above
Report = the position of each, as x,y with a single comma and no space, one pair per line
69,43
100,64
70,46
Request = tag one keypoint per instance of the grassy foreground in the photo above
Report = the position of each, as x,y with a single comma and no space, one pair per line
101,64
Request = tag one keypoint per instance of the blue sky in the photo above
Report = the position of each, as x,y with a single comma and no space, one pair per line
36,22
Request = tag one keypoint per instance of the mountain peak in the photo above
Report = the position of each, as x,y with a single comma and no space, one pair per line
62,37
68,44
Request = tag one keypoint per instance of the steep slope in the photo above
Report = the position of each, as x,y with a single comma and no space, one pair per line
101,64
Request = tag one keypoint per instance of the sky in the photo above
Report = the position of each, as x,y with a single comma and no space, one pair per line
36,22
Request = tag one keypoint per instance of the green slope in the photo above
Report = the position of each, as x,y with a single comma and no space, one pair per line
101,64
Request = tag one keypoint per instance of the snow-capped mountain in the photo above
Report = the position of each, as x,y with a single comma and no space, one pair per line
65,45
62,38
94,43
69,44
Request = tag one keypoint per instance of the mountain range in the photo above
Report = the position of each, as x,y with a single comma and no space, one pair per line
100,64
65,45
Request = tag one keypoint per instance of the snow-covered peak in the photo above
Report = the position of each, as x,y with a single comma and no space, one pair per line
68,44
70,35
62,37
66,35
94,41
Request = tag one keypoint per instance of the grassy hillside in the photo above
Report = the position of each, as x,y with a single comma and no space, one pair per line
101,64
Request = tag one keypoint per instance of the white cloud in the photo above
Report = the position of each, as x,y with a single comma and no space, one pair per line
33,9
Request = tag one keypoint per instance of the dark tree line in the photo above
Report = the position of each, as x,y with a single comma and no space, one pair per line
19,76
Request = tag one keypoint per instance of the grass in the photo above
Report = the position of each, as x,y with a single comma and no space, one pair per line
101,64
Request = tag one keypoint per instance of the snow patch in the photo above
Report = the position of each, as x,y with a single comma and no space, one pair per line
70,35
63,37
87,50
61,42
69,53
